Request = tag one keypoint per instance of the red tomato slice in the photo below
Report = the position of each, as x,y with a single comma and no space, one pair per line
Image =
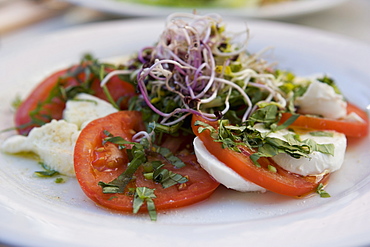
351,129
95,162
54,108
281,182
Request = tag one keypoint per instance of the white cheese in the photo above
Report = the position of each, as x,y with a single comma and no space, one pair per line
220,172
54,142
85,108
321,99
318,162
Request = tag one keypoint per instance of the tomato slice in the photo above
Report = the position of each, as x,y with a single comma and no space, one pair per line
349,128
281,181
38,105
96,162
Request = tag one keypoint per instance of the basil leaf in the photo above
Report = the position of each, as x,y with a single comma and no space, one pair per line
47,172
322,148
167,154
320,190
144,194
204,127
119,184
322,133
168,178
267,115
138,157
287,123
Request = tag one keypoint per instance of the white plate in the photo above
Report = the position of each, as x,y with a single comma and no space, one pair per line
273,11
38,212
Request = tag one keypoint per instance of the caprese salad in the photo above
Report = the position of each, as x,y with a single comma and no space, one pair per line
182,116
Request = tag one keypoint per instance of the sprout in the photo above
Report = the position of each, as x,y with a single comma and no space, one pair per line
195,63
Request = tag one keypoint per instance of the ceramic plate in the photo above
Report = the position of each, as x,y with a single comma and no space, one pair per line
39,212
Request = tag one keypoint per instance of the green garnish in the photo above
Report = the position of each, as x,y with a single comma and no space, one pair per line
320,190
152,170
167,178
138,157
16,102
145,195
331,83
91,68
47,172
232,136
59,180
322,133
168,155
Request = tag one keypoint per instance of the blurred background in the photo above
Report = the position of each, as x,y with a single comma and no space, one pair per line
23,19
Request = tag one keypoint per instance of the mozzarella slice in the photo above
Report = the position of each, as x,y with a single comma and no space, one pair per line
321,99
318,163
84,108
52,142
222,173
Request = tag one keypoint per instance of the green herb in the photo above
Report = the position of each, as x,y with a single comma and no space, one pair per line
320,190
322,133
105,88
272,168
167,154
154,171
172,129
287,123
59,180
92,70
268,115
16,102
204,126
232,137
47,172
167,178
119,184
145,195
330,82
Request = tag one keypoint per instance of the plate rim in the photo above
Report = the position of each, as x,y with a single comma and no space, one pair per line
90,27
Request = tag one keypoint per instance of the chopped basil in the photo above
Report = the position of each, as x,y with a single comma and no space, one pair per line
47,172
204,127
322,133
272,168
168,178
320,190
91,68
232,137
59,180
152,170
287,123
119,184
17,101
168,155
331,83
145,195
267,115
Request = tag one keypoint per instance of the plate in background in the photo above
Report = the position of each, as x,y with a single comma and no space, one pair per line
273,11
